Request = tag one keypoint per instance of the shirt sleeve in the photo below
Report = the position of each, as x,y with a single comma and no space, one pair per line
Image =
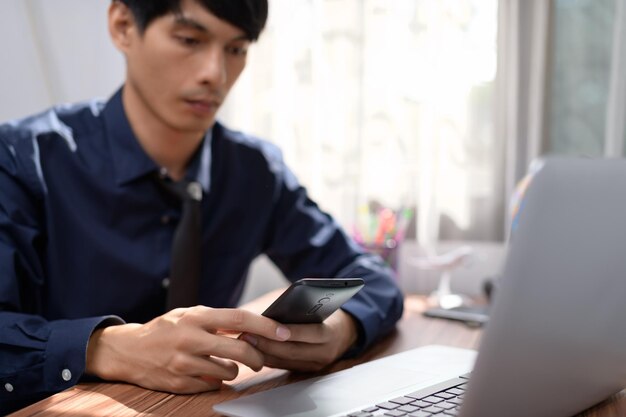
37,357
307,242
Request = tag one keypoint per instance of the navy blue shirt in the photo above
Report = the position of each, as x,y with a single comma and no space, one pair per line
86,233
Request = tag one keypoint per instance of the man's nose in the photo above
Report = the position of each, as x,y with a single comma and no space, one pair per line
213,67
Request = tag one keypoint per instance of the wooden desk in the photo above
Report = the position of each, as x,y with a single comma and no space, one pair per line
100,399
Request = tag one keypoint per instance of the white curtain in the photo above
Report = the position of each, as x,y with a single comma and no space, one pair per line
385,101
522,65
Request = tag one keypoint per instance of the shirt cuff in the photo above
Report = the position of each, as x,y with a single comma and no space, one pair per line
67,349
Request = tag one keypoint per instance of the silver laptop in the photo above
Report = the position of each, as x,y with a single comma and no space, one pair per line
556,341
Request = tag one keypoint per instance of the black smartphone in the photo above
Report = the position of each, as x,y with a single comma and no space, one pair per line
312,300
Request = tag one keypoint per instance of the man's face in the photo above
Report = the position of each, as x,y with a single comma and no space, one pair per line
181,68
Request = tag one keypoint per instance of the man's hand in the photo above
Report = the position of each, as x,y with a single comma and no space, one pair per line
311,347
183,351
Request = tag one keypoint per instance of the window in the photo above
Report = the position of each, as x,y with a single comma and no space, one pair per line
581,49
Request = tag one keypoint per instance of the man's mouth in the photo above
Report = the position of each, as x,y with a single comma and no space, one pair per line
203,106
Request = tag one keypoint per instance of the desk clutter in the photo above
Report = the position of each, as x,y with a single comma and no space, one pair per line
381,230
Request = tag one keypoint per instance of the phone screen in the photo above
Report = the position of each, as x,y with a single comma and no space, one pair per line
312,300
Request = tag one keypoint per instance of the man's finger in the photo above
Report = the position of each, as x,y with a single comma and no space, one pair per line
309,333
296,351
241,320
229,348
196,366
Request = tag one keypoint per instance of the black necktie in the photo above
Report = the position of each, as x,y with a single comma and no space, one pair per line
185,266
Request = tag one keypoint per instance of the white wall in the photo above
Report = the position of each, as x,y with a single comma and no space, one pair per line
54,52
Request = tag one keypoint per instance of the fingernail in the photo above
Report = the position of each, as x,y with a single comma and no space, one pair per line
250,339
282,333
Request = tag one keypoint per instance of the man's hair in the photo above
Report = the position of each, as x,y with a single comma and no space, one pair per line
248,15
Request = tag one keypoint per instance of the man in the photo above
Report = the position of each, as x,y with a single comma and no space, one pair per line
88,220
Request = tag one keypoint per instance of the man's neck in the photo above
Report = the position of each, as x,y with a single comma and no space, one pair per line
169,148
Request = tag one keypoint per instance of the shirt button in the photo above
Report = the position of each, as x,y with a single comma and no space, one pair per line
66,375
165,283
8,387
165,219
163,173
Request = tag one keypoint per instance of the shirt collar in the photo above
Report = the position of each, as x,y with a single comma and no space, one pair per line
130,161
199,169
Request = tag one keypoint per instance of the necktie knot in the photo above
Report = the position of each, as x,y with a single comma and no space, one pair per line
194,190
183,189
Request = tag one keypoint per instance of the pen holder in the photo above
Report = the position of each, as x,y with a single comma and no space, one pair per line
387,250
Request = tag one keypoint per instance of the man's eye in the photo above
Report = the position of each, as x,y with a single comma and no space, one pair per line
237,50
187,41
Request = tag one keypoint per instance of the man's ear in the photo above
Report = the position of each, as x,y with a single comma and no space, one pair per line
122,25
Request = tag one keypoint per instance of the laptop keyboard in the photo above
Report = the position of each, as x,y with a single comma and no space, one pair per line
441,400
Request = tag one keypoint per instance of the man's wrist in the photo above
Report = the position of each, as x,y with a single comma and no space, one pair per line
101,360
90,361
355,330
